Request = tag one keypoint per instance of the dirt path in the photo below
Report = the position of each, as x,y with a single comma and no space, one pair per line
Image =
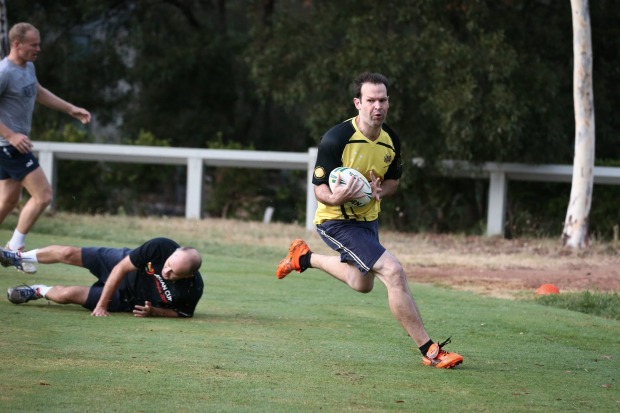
508,281
506,267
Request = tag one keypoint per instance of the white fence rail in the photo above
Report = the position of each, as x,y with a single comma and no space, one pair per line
500,173
195,160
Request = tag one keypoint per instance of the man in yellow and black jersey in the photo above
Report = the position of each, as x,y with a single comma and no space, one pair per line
367,144
346,145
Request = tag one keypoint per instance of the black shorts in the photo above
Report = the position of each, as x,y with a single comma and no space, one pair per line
16,165
356,241
100,261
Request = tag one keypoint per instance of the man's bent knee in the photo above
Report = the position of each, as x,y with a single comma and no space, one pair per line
43,199
364,289
392,274
70,255
363,283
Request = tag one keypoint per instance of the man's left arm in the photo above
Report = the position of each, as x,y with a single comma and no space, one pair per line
389,187
381,189
47,98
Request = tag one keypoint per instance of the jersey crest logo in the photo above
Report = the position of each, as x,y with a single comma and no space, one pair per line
388,158
149,269
319,172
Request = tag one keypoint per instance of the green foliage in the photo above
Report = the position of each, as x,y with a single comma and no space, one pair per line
145,138
604,216
464,86
482,81
538,210
471,80
104,187
70,132
602,304
243,193
187,82
79,62
289,199
427,203
234,192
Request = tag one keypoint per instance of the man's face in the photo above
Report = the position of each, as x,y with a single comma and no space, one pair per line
28,50
373,105
176,267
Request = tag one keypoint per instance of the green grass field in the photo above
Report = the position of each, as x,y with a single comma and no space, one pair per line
303,344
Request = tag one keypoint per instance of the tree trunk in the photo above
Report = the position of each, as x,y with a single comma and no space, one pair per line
4,30
575,233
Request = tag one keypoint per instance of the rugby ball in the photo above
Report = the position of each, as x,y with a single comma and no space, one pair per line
346,174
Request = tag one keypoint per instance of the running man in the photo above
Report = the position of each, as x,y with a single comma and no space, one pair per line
367,144
19,168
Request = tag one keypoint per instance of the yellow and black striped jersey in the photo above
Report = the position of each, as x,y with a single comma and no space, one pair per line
345,145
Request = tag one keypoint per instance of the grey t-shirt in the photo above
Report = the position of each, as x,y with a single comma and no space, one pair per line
18,92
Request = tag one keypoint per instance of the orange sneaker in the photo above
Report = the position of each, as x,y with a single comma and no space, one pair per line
291,262
441,359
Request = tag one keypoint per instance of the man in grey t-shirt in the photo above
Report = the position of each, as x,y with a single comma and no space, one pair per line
19,90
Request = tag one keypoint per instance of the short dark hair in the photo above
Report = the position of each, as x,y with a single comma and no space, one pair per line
367,77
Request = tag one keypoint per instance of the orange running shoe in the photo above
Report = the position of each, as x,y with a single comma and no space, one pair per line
441,359
291,262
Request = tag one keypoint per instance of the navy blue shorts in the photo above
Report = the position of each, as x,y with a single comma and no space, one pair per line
16,165
356,241
100,261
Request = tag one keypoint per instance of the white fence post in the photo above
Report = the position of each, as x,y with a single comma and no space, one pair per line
193,188
311,202
46,162
497,203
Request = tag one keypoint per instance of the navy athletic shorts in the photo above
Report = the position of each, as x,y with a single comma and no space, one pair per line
100,261
356,241
16,165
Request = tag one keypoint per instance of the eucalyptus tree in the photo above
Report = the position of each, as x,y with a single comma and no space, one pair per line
576,224
467,81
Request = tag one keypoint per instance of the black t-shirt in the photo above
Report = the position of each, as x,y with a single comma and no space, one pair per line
147,284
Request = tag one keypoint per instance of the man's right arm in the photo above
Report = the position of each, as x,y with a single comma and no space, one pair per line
340,195
49,99
119,272
20,141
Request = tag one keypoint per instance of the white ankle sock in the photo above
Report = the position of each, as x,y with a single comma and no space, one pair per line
17,241
30,256
43,289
